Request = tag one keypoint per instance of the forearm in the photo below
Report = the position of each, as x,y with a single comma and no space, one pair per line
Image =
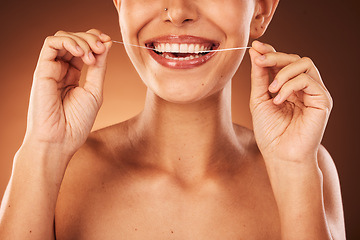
28,207
298,190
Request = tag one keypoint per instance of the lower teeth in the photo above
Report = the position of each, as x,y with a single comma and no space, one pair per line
180,58
173,56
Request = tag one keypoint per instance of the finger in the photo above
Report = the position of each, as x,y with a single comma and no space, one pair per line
66,57
71,80
276,59
259,75
104,38
53,45
99,36
260,78
96,74
94,31
48,67
314,95
91,41
304,65
77,63
262,48
94,42
88,56
259,81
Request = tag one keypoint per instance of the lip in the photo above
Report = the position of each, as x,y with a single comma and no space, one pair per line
184,39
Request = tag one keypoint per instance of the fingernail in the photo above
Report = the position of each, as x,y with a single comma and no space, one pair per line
78,49
277,99
274,84
99,44
91,56
103,35
262,57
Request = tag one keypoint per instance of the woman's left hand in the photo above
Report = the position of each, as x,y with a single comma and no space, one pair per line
289,126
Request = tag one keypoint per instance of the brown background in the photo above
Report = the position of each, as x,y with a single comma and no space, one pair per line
327,31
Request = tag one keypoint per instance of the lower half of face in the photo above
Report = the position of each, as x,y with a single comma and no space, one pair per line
180,65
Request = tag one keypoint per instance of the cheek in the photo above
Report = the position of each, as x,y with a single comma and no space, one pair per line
222,74
233,60
135,14
234,18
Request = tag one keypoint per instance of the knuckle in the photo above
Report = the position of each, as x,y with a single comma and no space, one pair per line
305,76
331,102
48,39
307,60
94,31
89,36
93,37
60,33
295,56
271,56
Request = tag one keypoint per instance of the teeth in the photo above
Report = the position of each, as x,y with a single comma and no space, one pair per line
181,58
175,48
197,48
162,46
167,47
181,48
191,48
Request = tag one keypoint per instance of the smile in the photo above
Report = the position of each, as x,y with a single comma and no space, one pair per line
181,52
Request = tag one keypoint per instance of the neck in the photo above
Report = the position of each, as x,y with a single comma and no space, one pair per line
187,139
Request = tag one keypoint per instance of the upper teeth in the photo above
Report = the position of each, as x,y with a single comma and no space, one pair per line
181,48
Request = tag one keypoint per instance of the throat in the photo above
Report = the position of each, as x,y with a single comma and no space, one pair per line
184,136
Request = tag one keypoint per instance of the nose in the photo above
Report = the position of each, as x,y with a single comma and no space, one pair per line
180,12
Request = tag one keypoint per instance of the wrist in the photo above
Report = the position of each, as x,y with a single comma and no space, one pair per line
295,183
47,148
292,170
48,158
292,154
298,191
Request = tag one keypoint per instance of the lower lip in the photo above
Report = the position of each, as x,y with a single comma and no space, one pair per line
185,64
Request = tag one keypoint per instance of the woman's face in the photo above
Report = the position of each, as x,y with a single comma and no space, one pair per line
179,29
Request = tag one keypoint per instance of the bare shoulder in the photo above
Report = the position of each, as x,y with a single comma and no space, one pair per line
83,184
97,154
332,194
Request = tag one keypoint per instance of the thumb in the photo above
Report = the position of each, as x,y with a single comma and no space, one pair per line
94,82
260,80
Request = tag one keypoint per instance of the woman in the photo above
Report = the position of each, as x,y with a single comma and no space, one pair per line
180,169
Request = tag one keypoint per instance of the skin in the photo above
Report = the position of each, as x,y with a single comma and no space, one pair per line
180,169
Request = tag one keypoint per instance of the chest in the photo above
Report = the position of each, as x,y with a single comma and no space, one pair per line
162,211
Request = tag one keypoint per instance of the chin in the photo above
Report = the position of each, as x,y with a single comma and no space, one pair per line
182,94
185,91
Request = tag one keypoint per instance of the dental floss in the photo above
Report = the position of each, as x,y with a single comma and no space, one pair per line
217,50
132,45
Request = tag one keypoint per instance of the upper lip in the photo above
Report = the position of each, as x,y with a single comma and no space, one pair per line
182,44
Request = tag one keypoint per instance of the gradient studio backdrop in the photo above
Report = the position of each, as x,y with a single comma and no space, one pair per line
325,31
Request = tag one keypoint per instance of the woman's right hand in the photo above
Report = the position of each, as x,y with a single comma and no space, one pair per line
61,113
